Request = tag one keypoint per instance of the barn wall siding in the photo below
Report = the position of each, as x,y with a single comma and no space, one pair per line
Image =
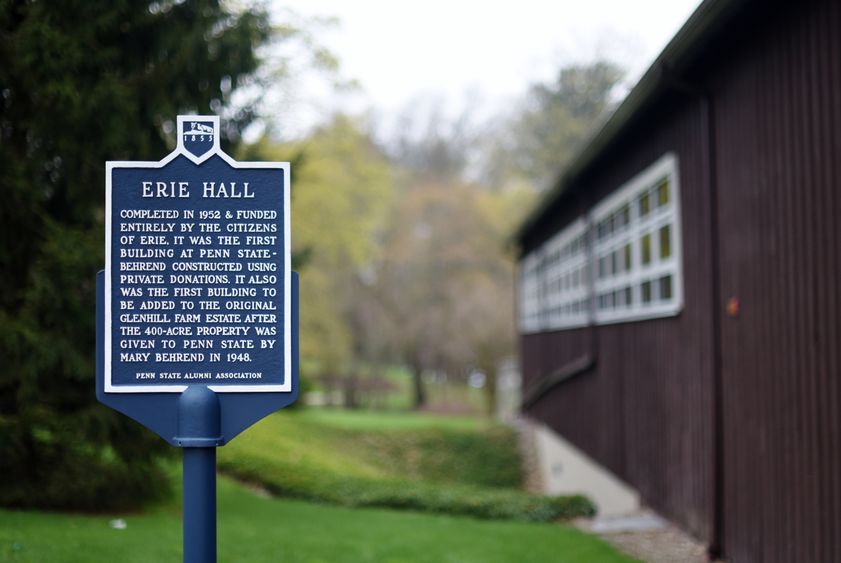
777,123
648,410
645,411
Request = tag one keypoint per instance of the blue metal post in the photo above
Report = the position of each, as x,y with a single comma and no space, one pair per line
199,433
199,505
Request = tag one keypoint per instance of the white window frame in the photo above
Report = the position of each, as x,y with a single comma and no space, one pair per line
564,280
543,305
664,168
528,293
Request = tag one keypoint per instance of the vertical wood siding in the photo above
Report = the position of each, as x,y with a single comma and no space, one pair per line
777,122
647,411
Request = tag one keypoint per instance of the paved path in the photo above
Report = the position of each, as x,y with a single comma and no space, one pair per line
647,537
644,535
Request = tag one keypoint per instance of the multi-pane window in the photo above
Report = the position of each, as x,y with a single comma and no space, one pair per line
637,267
528,290
623,263
565,280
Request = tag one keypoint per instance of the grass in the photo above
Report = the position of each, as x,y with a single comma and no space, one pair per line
442,396
436,464
384,421
415,462
379,445
254,529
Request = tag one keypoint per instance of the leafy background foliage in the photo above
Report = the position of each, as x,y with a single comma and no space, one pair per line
82,82
401,242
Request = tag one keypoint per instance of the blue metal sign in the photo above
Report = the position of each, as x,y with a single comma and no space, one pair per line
197,290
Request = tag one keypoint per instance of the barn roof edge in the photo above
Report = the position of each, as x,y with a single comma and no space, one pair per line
682,50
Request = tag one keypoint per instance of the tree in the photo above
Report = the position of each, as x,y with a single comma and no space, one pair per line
445,279
543,134
446,282
83,82
428,145
342,191
492,330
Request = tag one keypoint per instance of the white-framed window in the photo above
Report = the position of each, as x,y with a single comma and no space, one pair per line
637,271
528,293
622,263
565,279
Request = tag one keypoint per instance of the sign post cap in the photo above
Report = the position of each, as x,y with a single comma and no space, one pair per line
199,418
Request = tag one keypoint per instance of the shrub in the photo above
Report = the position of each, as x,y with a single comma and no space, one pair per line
470,472
73,475
462,500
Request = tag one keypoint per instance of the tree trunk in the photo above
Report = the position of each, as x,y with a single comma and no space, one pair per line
327,386
490,389
419,391
351,389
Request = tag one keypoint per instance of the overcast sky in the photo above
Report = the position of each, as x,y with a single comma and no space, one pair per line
486,52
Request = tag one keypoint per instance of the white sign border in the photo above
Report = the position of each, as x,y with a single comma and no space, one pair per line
180,150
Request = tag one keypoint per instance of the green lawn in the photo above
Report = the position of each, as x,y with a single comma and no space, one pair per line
374,420
443,465
463,466
337,443
253,529
441,396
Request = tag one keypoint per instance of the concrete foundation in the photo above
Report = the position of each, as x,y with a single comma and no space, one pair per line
561,468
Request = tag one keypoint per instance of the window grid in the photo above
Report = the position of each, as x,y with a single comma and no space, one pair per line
565,280
636,262
529,298
652,285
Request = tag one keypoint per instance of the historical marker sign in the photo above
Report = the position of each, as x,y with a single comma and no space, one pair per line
197,307
197,270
